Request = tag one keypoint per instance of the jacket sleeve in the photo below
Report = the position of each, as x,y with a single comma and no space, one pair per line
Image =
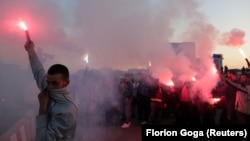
38,72
61,126
237,86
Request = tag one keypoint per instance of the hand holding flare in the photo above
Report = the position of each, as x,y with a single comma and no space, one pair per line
24,27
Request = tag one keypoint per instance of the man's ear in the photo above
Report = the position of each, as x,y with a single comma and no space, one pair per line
66,82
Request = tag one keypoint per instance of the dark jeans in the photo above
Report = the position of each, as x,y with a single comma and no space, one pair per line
126,106
155,113
187,114
230,113
243,118
143,108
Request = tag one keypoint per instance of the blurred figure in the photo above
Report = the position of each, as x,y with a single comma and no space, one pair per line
126,90
242,101
185,109
156,105
144,92
111,103
220,107
134,101
57,118
230,96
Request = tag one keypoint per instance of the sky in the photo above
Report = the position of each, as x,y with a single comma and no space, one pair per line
122,34
227,15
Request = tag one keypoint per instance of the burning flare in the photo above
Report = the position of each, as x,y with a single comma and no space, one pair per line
149,64
215,100
244,56
242,53
170,83
214,70
23,25
86,58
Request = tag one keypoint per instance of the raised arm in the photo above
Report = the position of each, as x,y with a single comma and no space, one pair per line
236,85
36,66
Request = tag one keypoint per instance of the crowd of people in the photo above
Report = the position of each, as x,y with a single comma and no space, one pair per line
123,100
143,99
130,98
235,107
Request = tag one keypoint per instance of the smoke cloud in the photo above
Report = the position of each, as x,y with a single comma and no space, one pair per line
116,34
234,38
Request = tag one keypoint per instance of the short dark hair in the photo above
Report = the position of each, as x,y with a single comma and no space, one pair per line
232,72
59,69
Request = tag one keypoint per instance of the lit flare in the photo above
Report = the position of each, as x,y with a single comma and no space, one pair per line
242,53
86,58
170,83
24,27
215,100
149,63
245,57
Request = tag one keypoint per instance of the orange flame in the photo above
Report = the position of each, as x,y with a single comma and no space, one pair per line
23,25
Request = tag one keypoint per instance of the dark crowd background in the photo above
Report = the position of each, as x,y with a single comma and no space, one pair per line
98,95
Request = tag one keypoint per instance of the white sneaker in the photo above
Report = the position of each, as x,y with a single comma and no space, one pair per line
126,125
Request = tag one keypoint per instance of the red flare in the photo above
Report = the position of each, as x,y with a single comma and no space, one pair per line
24,27
215,100
170,83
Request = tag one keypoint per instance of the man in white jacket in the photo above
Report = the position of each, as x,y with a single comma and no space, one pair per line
57,118
242,101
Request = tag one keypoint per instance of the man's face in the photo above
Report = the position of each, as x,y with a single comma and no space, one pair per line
231,76
56,81
243,78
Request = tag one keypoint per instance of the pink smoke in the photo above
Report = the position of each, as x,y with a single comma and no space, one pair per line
234,38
